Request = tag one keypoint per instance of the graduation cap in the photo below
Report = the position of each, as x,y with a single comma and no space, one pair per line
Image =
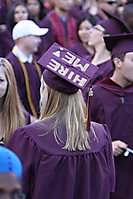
9,162
119,44
113,25
65,71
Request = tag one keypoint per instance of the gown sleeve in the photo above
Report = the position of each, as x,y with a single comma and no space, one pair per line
24,146
110,159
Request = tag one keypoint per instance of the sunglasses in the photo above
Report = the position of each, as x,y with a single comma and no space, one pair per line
110,2
104,31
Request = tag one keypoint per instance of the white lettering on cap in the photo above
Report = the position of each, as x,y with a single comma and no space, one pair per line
57,53
54,66
70,58
81,81
83,68
70,75
63,71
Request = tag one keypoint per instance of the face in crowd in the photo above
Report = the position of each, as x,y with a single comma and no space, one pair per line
20,13
84,31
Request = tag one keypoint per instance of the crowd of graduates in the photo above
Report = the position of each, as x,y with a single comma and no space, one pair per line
66,97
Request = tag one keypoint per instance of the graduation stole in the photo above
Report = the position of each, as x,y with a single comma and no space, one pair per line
60,32
28,85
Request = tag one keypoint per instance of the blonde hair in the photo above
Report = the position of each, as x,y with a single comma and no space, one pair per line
72,110
12,114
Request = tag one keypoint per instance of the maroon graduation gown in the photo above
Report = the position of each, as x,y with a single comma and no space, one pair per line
7,42
79,49
3,12
53,173
105,69
113,105
34,82
67,34
77,12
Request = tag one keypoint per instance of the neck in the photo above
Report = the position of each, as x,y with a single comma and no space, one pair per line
90,49
101,55
118,79
61,13
102,14
24,50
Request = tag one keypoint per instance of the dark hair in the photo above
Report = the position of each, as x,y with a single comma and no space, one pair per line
42,12
121,57
92,19
10,16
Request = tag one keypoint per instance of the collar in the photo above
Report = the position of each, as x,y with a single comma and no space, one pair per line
17,52
113,87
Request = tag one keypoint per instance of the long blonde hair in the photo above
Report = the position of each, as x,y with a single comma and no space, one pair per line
72,110
12,114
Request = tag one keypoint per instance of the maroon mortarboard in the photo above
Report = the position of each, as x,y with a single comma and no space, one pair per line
119,44
68,69
113,25
66,72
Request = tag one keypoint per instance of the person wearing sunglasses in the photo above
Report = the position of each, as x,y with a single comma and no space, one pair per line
102,57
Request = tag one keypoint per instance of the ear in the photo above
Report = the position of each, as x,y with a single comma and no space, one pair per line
117,62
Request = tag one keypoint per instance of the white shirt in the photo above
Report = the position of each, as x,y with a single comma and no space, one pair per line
17,52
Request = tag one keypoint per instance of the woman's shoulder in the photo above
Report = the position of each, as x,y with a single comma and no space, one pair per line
99,137
43,137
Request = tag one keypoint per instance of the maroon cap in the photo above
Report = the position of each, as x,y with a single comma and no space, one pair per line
119,44
66,72
113,25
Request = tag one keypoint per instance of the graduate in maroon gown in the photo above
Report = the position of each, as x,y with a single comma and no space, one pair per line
17,13
81,47
12,113
61,25
36,9
112,104
102,57
62,158
27,72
